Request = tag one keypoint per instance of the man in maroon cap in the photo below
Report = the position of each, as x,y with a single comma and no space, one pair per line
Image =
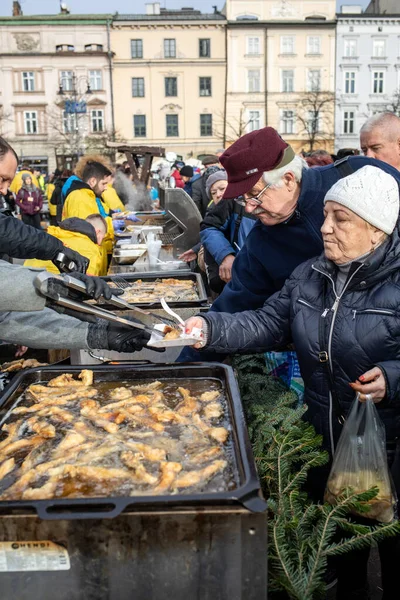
273,184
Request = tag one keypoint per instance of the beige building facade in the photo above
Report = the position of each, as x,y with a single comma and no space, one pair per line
47,66
281,69
169,72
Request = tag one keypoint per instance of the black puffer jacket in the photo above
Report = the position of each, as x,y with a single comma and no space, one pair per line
23,241
360,330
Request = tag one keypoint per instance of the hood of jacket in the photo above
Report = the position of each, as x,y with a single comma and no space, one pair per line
72,184
76,225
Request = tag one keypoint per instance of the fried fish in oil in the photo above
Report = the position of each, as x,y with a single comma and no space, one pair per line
209,396
148,452
213,410
6,467
206,455
201,475
169,471
132,461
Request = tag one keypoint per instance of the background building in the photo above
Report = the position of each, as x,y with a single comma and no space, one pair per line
281,69
169,78
41,56
368,67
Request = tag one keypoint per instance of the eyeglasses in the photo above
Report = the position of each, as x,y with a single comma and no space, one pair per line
256,199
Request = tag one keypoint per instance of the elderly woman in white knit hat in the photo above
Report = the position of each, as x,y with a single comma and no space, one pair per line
341,311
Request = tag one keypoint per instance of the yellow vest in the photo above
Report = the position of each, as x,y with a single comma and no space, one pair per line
80,243
49,192
16,183
112,199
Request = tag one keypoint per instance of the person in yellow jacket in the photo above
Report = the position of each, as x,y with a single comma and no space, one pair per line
83,235
50,187
81,197
17,182
112,199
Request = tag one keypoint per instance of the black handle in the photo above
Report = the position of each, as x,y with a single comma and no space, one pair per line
49,511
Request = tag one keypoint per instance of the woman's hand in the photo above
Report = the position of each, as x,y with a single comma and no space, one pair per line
188,256
225,268
192,323
373,383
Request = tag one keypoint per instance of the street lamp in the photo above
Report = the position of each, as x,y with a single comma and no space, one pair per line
75,104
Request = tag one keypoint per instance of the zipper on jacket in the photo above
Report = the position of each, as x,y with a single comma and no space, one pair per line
374,311
334,309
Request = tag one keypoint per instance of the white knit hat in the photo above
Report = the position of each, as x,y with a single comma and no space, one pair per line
372,194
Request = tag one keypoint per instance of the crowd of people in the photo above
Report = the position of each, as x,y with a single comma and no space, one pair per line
297,249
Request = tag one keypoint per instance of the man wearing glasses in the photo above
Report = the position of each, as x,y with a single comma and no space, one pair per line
286,196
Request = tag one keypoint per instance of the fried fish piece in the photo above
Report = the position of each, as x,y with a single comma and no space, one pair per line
99,421
18,445
86,376
219,434
190,404
141,399
206,455
142,421
209,396
43,428
93,474
132,460
14,365
148,452
46,492
57,414
213,410
12,430
147,386
173,334
6,467
169,471
200,476
121,393
71,439
166,415
67,379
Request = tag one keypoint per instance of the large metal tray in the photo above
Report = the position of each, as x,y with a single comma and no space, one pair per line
247,492
201,290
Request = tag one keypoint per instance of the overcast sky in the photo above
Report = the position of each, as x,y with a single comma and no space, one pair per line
37,7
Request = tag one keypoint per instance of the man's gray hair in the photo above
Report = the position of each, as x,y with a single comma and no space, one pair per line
296,166
386,120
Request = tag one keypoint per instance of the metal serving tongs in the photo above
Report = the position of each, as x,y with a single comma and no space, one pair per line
41,284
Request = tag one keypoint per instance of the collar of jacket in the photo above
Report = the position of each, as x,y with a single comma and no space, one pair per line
79,226
377,266
72,184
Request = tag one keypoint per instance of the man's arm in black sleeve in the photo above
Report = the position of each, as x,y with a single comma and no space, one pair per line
23,241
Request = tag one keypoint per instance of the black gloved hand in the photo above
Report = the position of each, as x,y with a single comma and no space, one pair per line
95,287
80,261
126,339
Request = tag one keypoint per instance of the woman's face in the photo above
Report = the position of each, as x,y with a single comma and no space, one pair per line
346,236
28,180
217,190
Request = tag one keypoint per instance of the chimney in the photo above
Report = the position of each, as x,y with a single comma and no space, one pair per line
153,8
64,10
17,10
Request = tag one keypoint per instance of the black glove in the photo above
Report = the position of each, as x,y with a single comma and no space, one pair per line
125,339
81,262
95,287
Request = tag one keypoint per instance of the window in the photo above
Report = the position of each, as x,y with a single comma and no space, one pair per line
138,87
139,125
350,47
378,78
204,48
349,82
205,125
313,121
28,81
205,86
65,48
288,80
313,44
254,120
94,48
95,80
314,80
30,122
287,121
253,45
378,48
67,80
136,48
253,78
172,127
171,86
70,122
169,48
97,118
348,121
287,44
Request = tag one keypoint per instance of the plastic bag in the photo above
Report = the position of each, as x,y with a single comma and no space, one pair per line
360,462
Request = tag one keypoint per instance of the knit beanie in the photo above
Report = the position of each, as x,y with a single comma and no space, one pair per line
370,193
186,171
219,175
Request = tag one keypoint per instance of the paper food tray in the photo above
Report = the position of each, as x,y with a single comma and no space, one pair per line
156,341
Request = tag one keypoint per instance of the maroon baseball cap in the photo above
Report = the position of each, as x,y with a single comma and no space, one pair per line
251,155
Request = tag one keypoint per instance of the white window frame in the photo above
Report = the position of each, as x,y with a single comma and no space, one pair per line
253,81
288,44
379,81
313,44
97,117
378,48
96,79
314,80
254,120
350,47
349,120
70,122
28,81
283,79
253,46
287,122
31,122
66,80
349,81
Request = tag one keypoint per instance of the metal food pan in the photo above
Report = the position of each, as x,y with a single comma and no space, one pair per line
247,493
128,255
196,277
